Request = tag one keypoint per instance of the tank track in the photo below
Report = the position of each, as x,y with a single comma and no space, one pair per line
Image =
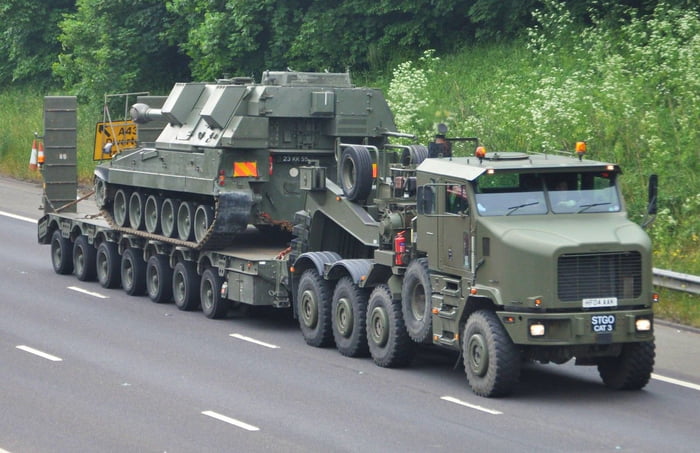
231,212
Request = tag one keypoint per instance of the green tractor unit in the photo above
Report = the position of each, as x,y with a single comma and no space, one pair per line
229,154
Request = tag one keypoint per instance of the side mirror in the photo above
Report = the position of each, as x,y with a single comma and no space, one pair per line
653,192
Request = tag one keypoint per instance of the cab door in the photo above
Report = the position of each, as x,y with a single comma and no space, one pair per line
454,238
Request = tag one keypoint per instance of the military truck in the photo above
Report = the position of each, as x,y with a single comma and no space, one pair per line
503,257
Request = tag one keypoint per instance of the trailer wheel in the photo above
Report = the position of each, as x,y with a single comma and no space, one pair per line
136,203
213,306
61,256
168,217
416,305
159,276
355,172
133,271
121,207
84,259
313,297
389,343
349,313
108,271
186,286
491,360
631,370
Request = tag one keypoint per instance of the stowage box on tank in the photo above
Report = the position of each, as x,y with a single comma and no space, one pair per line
230,153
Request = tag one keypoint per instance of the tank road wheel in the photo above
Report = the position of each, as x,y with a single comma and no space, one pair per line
100,193
168,217
491,360
631,370
349,312
159,279
185,220
133,270
61,256
186,286
84,256
203,218
108,261
136,203
151,213
416,304
355,172
121,207
389,343
314,309
213,305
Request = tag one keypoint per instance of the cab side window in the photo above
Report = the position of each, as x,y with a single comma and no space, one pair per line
455,199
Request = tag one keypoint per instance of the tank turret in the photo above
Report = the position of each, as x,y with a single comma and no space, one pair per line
230,152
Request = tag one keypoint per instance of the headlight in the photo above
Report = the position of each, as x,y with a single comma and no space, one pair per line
537,330
642,325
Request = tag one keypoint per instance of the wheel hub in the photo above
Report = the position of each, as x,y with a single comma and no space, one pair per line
344,318
478,354
379,326
309,309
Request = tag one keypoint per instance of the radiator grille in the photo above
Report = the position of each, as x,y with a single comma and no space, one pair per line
599,275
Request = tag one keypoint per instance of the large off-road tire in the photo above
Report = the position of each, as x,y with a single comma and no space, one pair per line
389,343
355,172
348,314
133,271
108,265
213,305
121,207
416,301
159,279
84,259
314,309
491,360
632,369
61,253
186,284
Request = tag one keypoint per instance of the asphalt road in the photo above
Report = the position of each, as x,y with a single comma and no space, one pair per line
83,368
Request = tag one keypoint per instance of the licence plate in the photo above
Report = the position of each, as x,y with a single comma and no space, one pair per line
603,323
599,302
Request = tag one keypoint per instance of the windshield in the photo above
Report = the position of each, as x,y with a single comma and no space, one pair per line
507,194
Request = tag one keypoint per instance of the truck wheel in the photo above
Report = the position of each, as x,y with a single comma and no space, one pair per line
61,256
314,309
355,172
213,306
136,203
389,343
121,207
631,370
416,305
491,360
348,314
133,270
168,217
84,259
108,271
159,284
186,286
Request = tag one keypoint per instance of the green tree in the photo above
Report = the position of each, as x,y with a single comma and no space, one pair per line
28,39
116,46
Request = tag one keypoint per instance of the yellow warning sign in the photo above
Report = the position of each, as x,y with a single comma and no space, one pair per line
114,137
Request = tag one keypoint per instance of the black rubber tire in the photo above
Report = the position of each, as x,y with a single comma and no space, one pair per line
348,317
213,306
632,369
389,343
84,259
185,221
186,284
416,301
314,309
61,253
137,200
168,217
108,265
491,360
414,154
355,172
133,272
121,207
151,213
159,279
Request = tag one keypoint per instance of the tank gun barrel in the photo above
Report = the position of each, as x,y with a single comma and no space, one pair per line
142,113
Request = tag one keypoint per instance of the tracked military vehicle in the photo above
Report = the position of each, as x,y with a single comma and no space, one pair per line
230,151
